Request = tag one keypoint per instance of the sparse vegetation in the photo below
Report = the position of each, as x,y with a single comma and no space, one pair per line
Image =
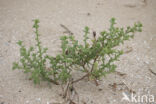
94,58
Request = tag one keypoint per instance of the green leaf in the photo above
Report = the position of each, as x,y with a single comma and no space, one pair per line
20,43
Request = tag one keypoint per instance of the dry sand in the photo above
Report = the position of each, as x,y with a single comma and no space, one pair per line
16,24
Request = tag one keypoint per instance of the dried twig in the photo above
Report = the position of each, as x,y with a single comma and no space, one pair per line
151,71
130,90
120,74
145,2
129,49
86,75
67,30
70,93
130,5
114,87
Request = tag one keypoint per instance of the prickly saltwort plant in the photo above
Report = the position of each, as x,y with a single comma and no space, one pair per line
94,58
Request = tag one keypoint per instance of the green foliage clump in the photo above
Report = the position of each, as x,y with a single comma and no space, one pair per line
33,60
94,58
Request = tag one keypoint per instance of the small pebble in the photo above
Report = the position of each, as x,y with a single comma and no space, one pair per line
146,62
48,102
88,14
100,89
1,96
149,78
114,100
138,58
38,99
27,101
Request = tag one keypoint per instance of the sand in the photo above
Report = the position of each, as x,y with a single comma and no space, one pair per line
16,24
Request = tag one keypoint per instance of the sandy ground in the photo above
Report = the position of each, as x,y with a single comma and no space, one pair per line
16,24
